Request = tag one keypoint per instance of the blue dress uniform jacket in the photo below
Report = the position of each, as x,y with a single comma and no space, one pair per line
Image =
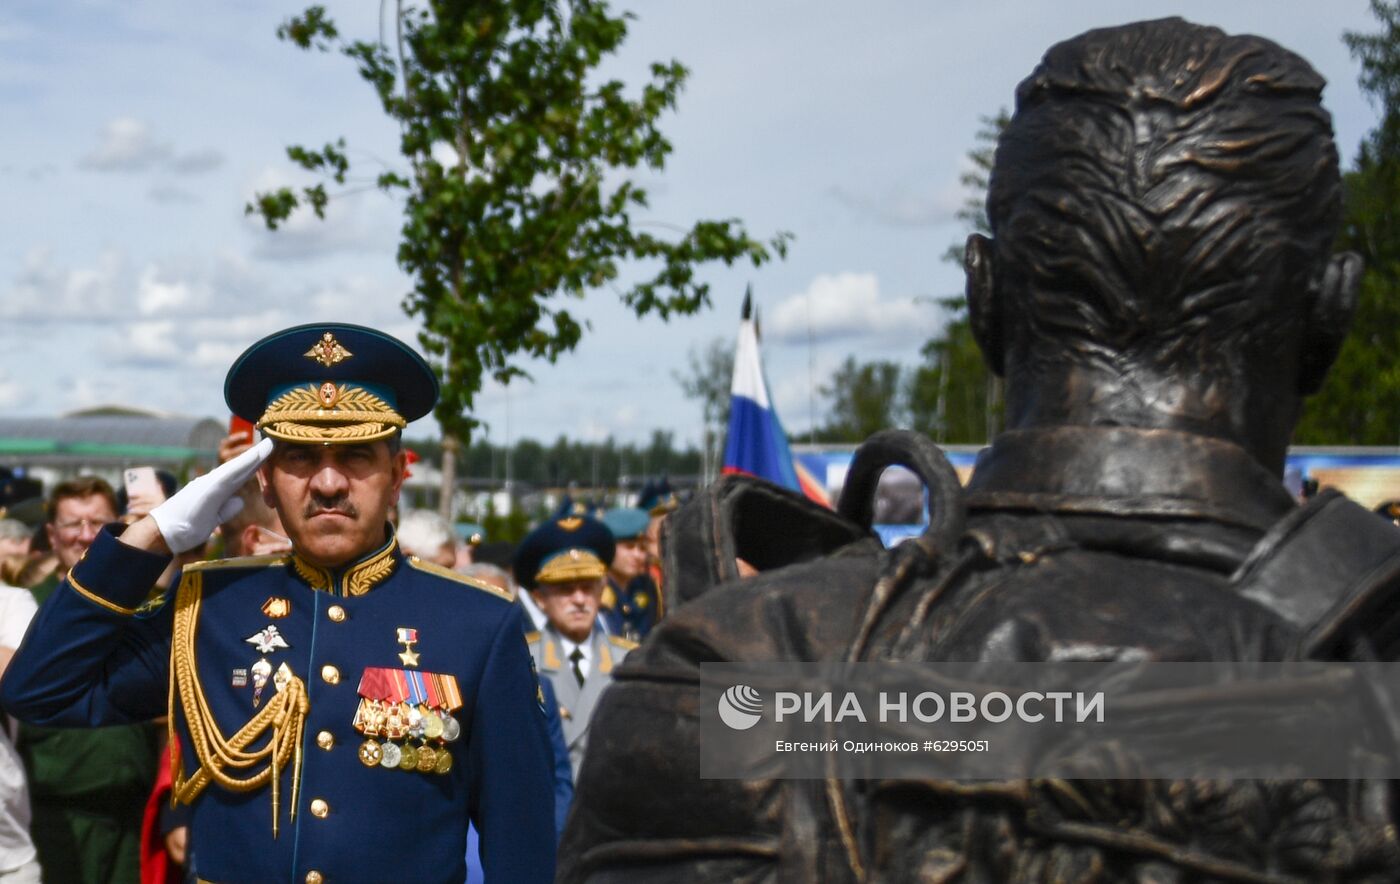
88,661
630,611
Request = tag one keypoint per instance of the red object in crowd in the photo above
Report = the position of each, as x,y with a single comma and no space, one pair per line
156,865
413,458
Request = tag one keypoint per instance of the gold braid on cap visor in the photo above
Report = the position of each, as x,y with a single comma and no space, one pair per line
571,565
330,413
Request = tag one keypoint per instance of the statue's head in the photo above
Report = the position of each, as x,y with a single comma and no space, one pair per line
1162,208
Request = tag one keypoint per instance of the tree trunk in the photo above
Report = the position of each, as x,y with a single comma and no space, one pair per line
447,492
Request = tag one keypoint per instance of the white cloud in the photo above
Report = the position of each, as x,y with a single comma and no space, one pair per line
126,145
797,397
368,299
216,342
92,390
903,206
847,305
155,295
204,316
365,300
151,343
13,393
205,343
44,291
625,418
353,223
180,314
591,430
196,162
170,194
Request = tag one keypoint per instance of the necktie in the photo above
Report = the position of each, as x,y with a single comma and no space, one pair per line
576,656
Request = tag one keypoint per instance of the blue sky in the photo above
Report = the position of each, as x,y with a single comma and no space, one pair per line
135,131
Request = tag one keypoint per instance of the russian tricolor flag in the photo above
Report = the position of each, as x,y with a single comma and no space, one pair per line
757,445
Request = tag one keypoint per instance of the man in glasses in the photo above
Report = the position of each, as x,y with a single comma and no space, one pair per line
87,786
77,509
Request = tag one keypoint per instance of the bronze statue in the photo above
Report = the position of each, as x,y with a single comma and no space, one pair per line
1160,294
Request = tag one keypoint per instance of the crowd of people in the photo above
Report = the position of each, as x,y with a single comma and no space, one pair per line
93,804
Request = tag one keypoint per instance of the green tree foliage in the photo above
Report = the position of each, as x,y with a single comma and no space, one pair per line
537,206
864,398
952,395
511,527
1360,402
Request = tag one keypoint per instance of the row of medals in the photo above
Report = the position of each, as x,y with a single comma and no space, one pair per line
399,721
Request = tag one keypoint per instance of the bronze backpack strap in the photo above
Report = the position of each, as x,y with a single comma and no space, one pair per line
741,517
745,518
1330,568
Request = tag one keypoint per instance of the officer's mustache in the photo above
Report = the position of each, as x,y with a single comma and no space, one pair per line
340,503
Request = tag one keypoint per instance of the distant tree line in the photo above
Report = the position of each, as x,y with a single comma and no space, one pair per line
587,464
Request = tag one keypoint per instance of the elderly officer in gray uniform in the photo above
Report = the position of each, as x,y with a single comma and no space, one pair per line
564,564
342,711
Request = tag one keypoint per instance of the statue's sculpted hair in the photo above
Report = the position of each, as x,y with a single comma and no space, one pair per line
1160,187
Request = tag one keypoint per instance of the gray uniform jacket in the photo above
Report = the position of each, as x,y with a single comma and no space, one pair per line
576,704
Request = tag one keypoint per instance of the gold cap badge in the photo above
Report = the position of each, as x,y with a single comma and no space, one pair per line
328,351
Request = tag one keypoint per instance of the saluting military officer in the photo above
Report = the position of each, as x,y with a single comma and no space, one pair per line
563,562
343,710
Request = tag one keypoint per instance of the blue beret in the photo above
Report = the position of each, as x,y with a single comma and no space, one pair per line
628,522
330,382
563,550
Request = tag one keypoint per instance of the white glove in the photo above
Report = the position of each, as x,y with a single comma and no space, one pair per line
187,519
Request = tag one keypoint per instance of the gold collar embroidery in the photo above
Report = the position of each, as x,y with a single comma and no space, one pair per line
355,580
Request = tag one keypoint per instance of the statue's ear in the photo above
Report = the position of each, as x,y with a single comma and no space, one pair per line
1329,319
983,306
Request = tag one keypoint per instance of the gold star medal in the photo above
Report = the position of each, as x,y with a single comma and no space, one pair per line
408,637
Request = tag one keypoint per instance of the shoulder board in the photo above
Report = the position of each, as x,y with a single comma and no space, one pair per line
239,562
448,573
532,637
625,644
